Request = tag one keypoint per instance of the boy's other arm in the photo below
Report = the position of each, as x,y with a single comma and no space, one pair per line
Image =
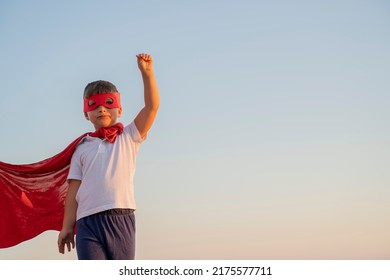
145,118
66,235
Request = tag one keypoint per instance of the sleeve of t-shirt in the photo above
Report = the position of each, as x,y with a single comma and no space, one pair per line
75,167
134,133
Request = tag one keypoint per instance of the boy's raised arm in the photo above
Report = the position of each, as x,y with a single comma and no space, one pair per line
145,118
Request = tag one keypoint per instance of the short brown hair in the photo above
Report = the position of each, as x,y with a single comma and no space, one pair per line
98,87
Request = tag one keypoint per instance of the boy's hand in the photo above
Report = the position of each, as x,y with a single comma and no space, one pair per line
65,237
145,63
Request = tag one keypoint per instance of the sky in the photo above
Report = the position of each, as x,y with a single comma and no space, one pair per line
272,138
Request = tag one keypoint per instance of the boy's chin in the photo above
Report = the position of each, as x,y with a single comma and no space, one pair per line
103,124
97,127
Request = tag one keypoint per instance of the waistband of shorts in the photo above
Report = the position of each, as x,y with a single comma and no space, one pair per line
115,211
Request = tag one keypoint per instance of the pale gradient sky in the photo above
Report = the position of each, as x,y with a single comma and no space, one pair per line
272,140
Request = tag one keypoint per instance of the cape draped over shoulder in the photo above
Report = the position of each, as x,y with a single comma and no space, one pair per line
32,196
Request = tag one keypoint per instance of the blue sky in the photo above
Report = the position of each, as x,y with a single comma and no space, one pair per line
272,139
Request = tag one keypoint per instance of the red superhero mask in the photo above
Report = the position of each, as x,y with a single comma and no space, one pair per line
107,99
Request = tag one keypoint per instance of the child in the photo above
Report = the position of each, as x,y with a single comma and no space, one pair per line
100,195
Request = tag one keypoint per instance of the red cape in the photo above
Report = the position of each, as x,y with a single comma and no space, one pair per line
32,196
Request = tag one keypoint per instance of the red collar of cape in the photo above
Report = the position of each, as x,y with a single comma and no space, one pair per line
32,196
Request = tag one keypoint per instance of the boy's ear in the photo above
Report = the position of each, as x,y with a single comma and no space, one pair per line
120,112
86,116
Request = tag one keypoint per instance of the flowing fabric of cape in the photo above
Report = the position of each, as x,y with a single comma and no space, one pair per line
32,196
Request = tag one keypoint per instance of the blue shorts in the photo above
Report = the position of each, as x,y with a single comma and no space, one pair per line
108,235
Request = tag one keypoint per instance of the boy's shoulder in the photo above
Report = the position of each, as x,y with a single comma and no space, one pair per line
132,130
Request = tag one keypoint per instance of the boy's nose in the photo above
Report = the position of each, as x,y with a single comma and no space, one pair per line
101,108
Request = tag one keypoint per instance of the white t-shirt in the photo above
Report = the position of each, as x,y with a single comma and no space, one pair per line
106,171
